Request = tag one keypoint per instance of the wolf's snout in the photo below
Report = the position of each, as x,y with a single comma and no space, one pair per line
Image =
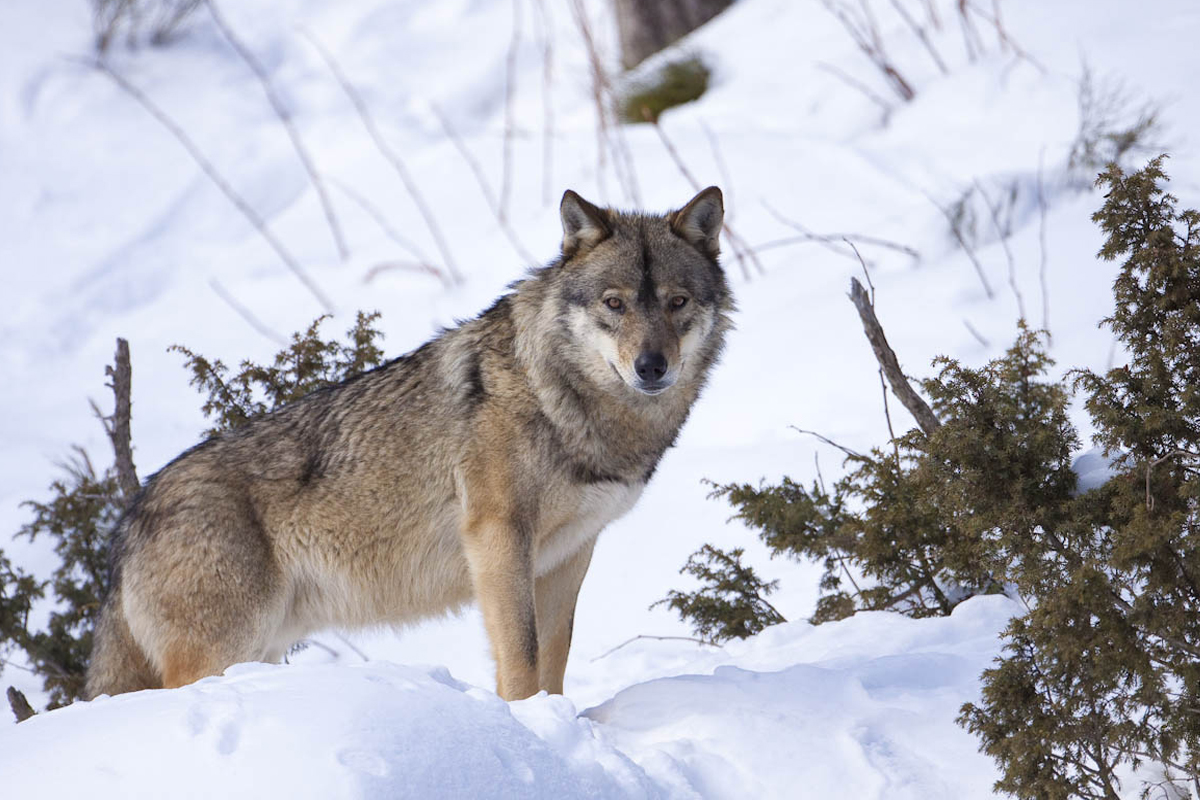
650,367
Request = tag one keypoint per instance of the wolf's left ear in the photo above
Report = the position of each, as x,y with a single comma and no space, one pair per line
584,225
700,221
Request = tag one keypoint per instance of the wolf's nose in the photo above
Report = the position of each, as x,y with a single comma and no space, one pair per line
650,366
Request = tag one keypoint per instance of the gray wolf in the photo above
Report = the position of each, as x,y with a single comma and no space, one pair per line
481,466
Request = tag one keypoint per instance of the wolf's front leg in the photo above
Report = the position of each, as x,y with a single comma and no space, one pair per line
501,567
556,593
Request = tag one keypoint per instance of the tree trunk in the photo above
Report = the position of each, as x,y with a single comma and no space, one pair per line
647,26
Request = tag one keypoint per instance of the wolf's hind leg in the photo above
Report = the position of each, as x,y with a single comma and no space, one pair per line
555,596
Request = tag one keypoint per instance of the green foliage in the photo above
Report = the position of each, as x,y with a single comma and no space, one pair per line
914,528
674,84
84,506
78,517
1109,658
731,604
1102,674
307,364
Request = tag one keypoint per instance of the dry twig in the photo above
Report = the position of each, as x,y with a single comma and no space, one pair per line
1003,233
208,169
510,93
494,203
633,639
245,313
285,118
741,251
117,425
393,158
886,357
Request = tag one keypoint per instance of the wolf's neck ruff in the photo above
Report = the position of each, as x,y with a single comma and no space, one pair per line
481,466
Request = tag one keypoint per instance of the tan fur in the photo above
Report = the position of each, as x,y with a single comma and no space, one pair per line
480,467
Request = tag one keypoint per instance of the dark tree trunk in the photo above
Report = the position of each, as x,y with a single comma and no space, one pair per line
647,26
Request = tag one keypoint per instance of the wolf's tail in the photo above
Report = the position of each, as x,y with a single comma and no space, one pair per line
118,664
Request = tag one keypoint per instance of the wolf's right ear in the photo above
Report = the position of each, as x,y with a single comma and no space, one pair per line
700,221
584,225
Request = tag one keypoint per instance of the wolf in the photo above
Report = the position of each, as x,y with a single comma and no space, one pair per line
481,466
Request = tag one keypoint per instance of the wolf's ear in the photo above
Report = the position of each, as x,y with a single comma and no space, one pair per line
584,225
700,221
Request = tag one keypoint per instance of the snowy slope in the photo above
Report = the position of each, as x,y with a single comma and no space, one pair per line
861,708
108,228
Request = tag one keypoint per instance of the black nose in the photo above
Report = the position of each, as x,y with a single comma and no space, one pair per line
650,366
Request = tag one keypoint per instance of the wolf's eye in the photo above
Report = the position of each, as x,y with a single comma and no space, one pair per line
678,301
614,303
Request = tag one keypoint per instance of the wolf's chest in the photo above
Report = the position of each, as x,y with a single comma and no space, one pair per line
578,516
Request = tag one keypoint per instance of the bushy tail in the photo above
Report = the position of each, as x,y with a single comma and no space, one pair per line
118,664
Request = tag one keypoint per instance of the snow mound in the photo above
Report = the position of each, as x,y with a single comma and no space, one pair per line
869,713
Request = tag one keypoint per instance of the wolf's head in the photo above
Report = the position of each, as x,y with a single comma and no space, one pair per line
642,295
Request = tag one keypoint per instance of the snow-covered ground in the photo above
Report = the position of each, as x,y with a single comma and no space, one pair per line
108,228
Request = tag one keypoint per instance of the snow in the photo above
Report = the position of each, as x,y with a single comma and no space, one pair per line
108,228
858,708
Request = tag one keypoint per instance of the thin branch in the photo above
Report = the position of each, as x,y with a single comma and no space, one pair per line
388,153
633,639
510,93
741,251
1041,196
353,647
887,360
726,181
404,266
855,83
919,30
1150,466
994,212
117,425
493,202
851,453
979,337
865,32
954,229
547,100
285,117
206,166
246,314
829,240
374,213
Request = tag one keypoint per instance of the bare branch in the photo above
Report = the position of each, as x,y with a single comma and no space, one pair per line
919,30
285,117
246,314
633,639
19,704
970,251
547,100
979,337
1003,234
887,360
830,240
741,251
117,426
864,30
851,453
1041,196
510,93
388,153
855,83
206,166
494,203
